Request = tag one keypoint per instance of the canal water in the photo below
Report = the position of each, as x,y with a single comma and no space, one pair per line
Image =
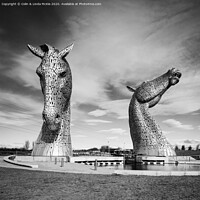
165,167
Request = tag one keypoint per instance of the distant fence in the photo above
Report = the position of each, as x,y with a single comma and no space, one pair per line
188,153
20,152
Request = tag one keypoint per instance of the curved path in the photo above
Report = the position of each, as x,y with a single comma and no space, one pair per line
67,168
88,169
11,160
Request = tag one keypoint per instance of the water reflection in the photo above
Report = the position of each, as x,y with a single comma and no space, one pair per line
165,167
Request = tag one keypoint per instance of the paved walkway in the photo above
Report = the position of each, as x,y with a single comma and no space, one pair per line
89,169
67,168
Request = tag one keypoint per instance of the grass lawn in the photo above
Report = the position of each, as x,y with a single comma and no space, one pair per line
25,184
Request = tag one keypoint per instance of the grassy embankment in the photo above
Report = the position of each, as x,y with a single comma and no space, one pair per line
25,184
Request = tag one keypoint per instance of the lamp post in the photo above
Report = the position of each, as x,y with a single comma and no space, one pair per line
108,147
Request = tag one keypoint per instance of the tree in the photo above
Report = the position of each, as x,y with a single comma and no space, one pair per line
189,148
104,148
176,148
93,149
197,147
27,145
183,148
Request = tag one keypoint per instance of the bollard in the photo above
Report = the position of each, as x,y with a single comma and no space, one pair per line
95,165
55,160
62,162
124,162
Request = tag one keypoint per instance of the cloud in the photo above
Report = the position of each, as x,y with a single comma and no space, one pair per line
176,124
122,47
19,110
166,132
112,138
96,121
24,70
190,141
119,49
111,50
16,119
199,127
98,113
79,136
20,102
117,131
118,108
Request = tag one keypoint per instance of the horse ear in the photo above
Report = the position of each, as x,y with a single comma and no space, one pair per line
65,51
131,89
36,51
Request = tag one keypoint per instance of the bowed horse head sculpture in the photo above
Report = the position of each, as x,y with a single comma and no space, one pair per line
56,84
146,135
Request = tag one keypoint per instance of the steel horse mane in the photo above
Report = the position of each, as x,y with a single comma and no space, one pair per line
56,84
146,135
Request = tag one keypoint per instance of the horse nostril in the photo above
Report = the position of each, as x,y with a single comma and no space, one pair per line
57,118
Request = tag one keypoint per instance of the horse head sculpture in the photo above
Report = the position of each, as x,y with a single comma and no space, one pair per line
146,135
56,84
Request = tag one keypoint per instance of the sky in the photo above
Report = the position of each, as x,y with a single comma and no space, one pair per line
116,43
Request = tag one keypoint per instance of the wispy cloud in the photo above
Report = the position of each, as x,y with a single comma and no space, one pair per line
118,50
117,108
15,119
187,141
98,113
166,132
19,110
24,71
79,136
96,121
112,138
117,131
20,102
176,124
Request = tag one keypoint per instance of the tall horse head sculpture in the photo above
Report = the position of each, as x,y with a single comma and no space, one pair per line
146,135
56,84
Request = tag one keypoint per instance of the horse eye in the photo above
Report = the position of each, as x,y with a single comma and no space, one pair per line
63,74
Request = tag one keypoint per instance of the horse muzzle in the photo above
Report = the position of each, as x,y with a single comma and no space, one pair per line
52,121
175,77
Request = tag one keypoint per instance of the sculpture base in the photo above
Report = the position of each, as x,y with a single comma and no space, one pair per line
152,159
155,159
166,151
52,149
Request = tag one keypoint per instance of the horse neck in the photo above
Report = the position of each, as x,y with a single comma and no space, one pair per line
140,116
137,111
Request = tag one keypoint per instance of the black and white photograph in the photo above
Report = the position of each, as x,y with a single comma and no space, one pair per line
99,99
